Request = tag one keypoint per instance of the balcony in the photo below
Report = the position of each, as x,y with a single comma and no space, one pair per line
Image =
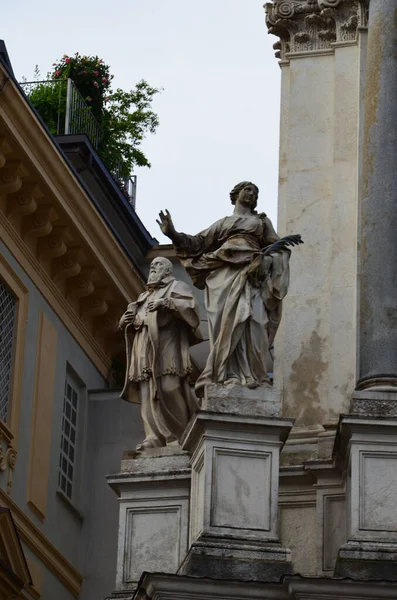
65,112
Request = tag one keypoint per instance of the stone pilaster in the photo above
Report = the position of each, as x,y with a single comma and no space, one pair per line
322,49
235,442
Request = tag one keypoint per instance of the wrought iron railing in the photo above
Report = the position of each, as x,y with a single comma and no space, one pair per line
63,108
126,184
64,111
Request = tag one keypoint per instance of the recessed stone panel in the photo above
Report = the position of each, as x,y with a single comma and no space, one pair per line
241,489
334,529
379,491
152,541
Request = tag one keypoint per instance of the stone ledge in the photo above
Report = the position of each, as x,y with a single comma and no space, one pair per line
159,586
121,596
152,466
367,561
155,460
371,403
263,401
215,424
225,559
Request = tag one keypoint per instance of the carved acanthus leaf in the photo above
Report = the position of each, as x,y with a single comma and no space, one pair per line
312,25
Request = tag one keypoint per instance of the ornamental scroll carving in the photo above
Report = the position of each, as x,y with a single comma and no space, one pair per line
8,455
313,25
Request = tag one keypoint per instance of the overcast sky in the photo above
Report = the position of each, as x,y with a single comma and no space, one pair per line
219,108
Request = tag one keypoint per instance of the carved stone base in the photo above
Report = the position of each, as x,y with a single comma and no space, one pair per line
222,559
121,596
235,442
239,400
153,489
367,561
366,447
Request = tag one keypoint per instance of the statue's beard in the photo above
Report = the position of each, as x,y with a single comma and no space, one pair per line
154,279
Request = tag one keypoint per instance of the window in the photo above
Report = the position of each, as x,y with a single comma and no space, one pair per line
69,438
8,313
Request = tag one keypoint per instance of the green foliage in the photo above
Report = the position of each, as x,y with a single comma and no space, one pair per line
50,102
125,118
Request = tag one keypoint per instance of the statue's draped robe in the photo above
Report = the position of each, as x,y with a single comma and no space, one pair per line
244,310
157,344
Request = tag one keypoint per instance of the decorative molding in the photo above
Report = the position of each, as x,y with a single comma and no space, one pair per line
36,572
41,426
46,214
333,513
42,548
54,296
14,572
305,26
297,498
8,454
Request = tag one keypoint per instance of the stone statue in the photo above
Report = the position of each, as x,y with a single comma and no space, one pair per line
243,267
159,328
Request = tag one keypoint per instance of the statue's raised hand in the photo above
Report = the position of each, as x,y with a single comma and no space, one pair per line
166,224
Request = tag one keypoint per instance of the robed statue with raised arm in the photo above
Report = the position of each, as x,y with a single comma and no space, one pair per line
243,266
159,329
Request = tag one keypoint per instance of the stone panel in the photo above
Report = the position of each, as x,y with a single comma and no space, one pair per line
241,496
154,547
379,493
334,532
298,533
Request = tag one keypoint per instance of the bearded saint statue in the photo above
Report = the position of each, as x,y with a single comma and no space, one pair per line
242,265
159,329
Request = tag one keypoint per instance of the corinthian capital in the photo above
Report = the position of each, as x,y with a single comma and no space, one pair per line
312,25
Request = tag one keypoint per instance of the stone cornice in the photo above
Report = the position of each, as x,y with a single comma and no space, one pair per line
306,26
64,243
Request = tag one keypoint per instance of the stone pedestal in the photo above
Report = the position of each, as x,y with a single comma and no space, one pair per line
367,444
235,442
153,489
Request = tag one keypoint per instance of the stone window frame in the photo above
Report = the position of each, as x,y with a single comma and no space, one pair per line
80,389
10,429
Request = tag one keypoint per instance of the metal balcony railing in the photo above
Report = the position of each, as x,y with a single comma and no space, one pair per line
126,184
64,111
63,108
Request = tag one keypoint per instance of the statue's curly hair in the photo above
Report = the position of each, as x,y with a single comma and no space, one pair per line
237,189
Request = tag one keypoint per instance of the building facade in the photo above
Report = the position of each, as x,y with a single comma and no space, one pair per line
320,521
70,261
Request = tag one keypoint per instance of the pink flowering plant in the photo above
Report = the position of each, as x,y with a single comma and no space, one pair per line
90,74
125,117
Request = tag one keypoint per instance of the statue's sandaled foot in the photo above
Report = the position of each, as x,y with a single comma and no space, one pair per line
147,444
251,383
232,381
172,441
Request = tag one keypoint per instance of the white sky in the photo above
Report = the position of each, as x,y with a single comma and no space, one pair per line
219,110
